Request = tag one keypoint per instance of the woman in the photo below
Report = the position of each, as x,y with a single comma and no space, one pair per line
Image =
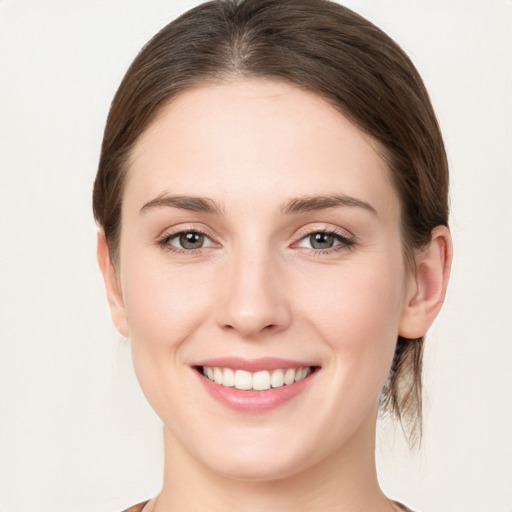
272,203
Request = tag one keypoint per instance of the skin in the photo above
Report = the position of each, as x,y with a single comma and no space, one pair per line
258,288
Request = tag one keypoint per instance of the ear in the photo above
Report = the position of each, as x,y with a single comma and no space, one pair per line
427,286
112,285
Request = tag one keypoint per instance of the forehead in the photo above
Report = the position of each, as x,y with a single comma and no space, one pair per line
256,138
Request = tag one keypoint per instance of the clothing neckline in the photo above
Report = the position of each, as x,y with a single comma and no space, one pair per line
142,505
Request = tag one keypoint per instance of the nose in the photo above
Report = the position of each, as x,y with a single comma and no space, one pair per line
254,299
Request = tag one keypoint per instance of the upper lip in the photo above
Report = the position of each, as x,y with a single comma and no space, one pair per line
252,365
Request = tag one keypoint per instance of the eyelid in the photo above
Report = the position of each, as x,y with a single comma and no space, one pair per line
186,228
311,229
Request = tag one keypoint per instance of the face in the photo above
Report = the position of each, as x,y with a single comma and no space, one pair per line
261,246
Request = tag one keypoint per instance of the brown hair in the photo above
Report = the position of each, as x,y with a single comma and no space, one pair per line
324,48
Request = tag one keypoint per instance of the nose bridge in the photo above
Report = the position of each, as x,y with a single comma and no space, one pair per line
255,298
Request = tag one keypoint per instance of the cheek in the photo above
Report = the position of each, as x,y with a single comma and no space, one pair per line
163,306
356,310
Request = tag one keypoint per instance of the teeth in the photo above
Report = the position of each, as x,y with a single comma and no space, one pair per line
302,373
228,378
259,381
217,375
289,376
243,380
277,379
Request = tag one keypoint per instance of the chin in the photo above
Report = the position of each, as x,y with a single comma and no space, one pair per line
257,468
273,455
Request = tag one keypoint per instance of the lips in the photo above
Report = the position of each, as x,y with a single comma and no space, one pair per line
254,385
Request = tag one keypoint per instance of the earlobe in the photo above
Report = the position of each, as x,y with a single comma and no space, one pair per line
112,286
427,288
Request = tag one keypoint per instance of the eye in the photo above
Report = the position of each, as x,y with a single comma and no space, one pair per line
324,240
186,241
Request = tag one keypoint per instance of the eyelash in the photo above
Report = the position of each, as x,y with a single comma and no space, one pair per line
345,242
164,242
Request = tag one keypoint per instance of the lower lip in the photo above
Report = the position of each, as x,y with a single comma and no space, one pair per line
255,401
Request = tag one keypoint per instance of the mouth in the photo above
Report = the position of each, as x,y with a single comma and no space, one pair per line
255,381
254,386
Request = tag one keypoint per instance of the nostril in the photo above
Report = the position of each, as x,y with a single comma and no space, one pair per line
249,329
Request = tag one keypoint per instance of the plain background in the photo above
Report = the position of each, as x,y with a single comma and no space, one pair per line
75,432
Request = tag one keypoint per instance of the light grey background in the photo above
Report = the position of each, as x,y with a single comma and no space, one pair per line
75,432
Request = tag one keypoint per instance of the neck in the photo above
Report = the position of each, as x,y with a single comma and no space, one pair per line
345,481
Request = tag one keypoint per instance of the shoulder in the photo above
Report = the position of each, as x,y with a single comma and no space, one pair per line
402,507
137,508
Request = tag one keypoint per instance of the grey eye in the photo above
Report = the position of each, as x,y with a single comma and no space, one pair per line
190,240
322,240
187,241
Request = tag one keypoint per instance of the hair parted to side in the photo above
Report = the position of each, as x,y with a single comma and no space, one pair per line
322,47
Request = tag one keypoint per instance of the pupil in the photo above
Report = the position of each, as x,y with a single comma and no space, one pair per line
322,241
191,240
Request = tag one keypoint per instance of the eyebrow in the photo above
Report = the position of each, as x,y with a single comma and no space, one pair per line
191,203
295,205
314,203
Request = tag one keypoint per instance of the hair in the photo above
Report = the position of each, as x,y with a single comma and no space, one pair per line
324,48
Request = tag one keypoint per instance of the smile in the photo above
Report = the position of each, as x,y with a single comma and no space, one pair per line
256,385
256,381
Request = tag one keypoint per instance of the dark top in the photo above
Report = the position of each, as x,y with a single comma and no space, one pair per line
140,506
137,508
